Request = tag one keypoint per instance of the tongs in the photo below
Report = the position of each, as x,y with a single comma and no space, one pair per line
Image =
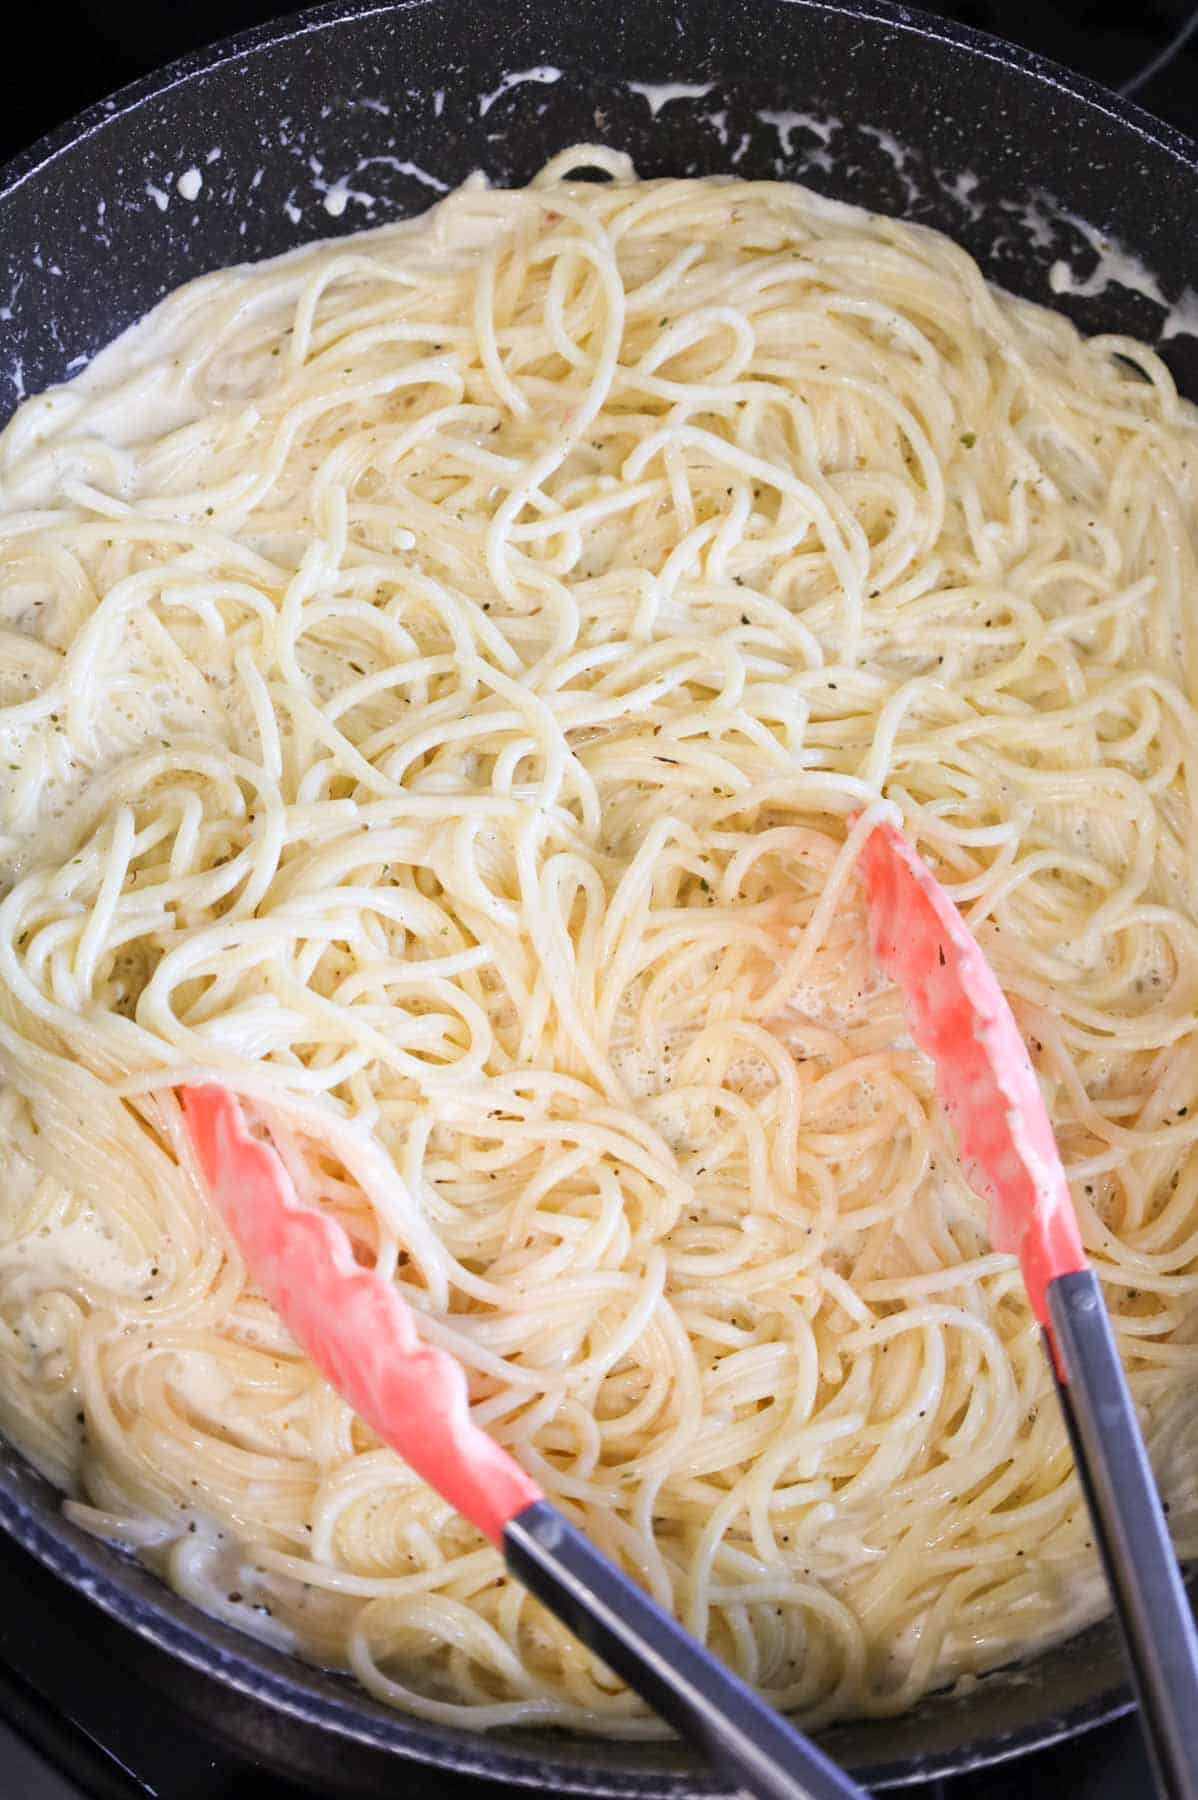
986,1084
363,1337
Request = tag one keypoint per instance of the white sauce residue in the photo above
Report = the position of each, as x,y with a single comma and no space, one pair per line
214,155
161,200
961,189
337,194
1115,267
1182,317
545,75
1036,223
190,183
83,1250
899,155
659,94
406,168
785,123
213,1572
1119,267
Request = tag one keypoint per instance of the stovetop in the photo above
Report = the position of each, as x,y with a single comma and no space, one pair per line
86,1712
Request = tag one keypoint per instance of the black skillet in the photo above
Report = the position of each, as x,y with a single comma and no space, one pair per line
982,140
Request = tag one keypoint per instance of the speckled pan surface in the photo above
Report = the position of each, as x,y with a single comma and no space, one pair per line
352,115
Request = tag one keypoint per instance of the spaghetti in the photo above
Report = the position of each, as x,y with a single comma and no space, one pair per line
438,670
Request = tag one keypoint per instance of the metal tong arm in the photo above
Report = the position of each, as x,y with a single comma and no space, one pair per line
1129,1525
739,1733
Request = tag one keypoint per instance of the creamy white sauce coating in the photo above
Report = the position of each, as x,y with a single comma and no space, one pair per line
437,670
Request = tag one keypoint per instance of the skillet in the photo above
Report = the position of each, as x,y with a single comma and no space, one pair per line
355,114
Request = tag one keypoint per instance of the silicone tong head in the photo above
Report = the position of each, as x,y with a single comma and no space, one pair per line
355,1326
984,1077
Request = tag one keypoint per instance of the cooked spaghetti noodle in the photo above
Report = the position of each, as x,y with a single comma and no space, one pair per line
438,671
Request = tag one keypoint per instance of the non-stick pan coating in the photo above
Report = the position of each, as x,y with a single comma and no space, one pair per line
293,129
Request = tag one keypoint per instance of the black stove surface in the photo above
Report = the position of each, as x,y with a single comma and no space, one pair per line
86,1711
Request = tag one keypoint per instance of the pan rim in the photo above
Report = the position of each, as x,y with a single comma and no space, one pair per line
197,63
232,1658
255,1670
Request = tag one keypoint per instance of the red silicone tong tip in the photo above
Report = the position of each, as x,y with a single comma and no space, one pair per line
353,1325
984,1077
